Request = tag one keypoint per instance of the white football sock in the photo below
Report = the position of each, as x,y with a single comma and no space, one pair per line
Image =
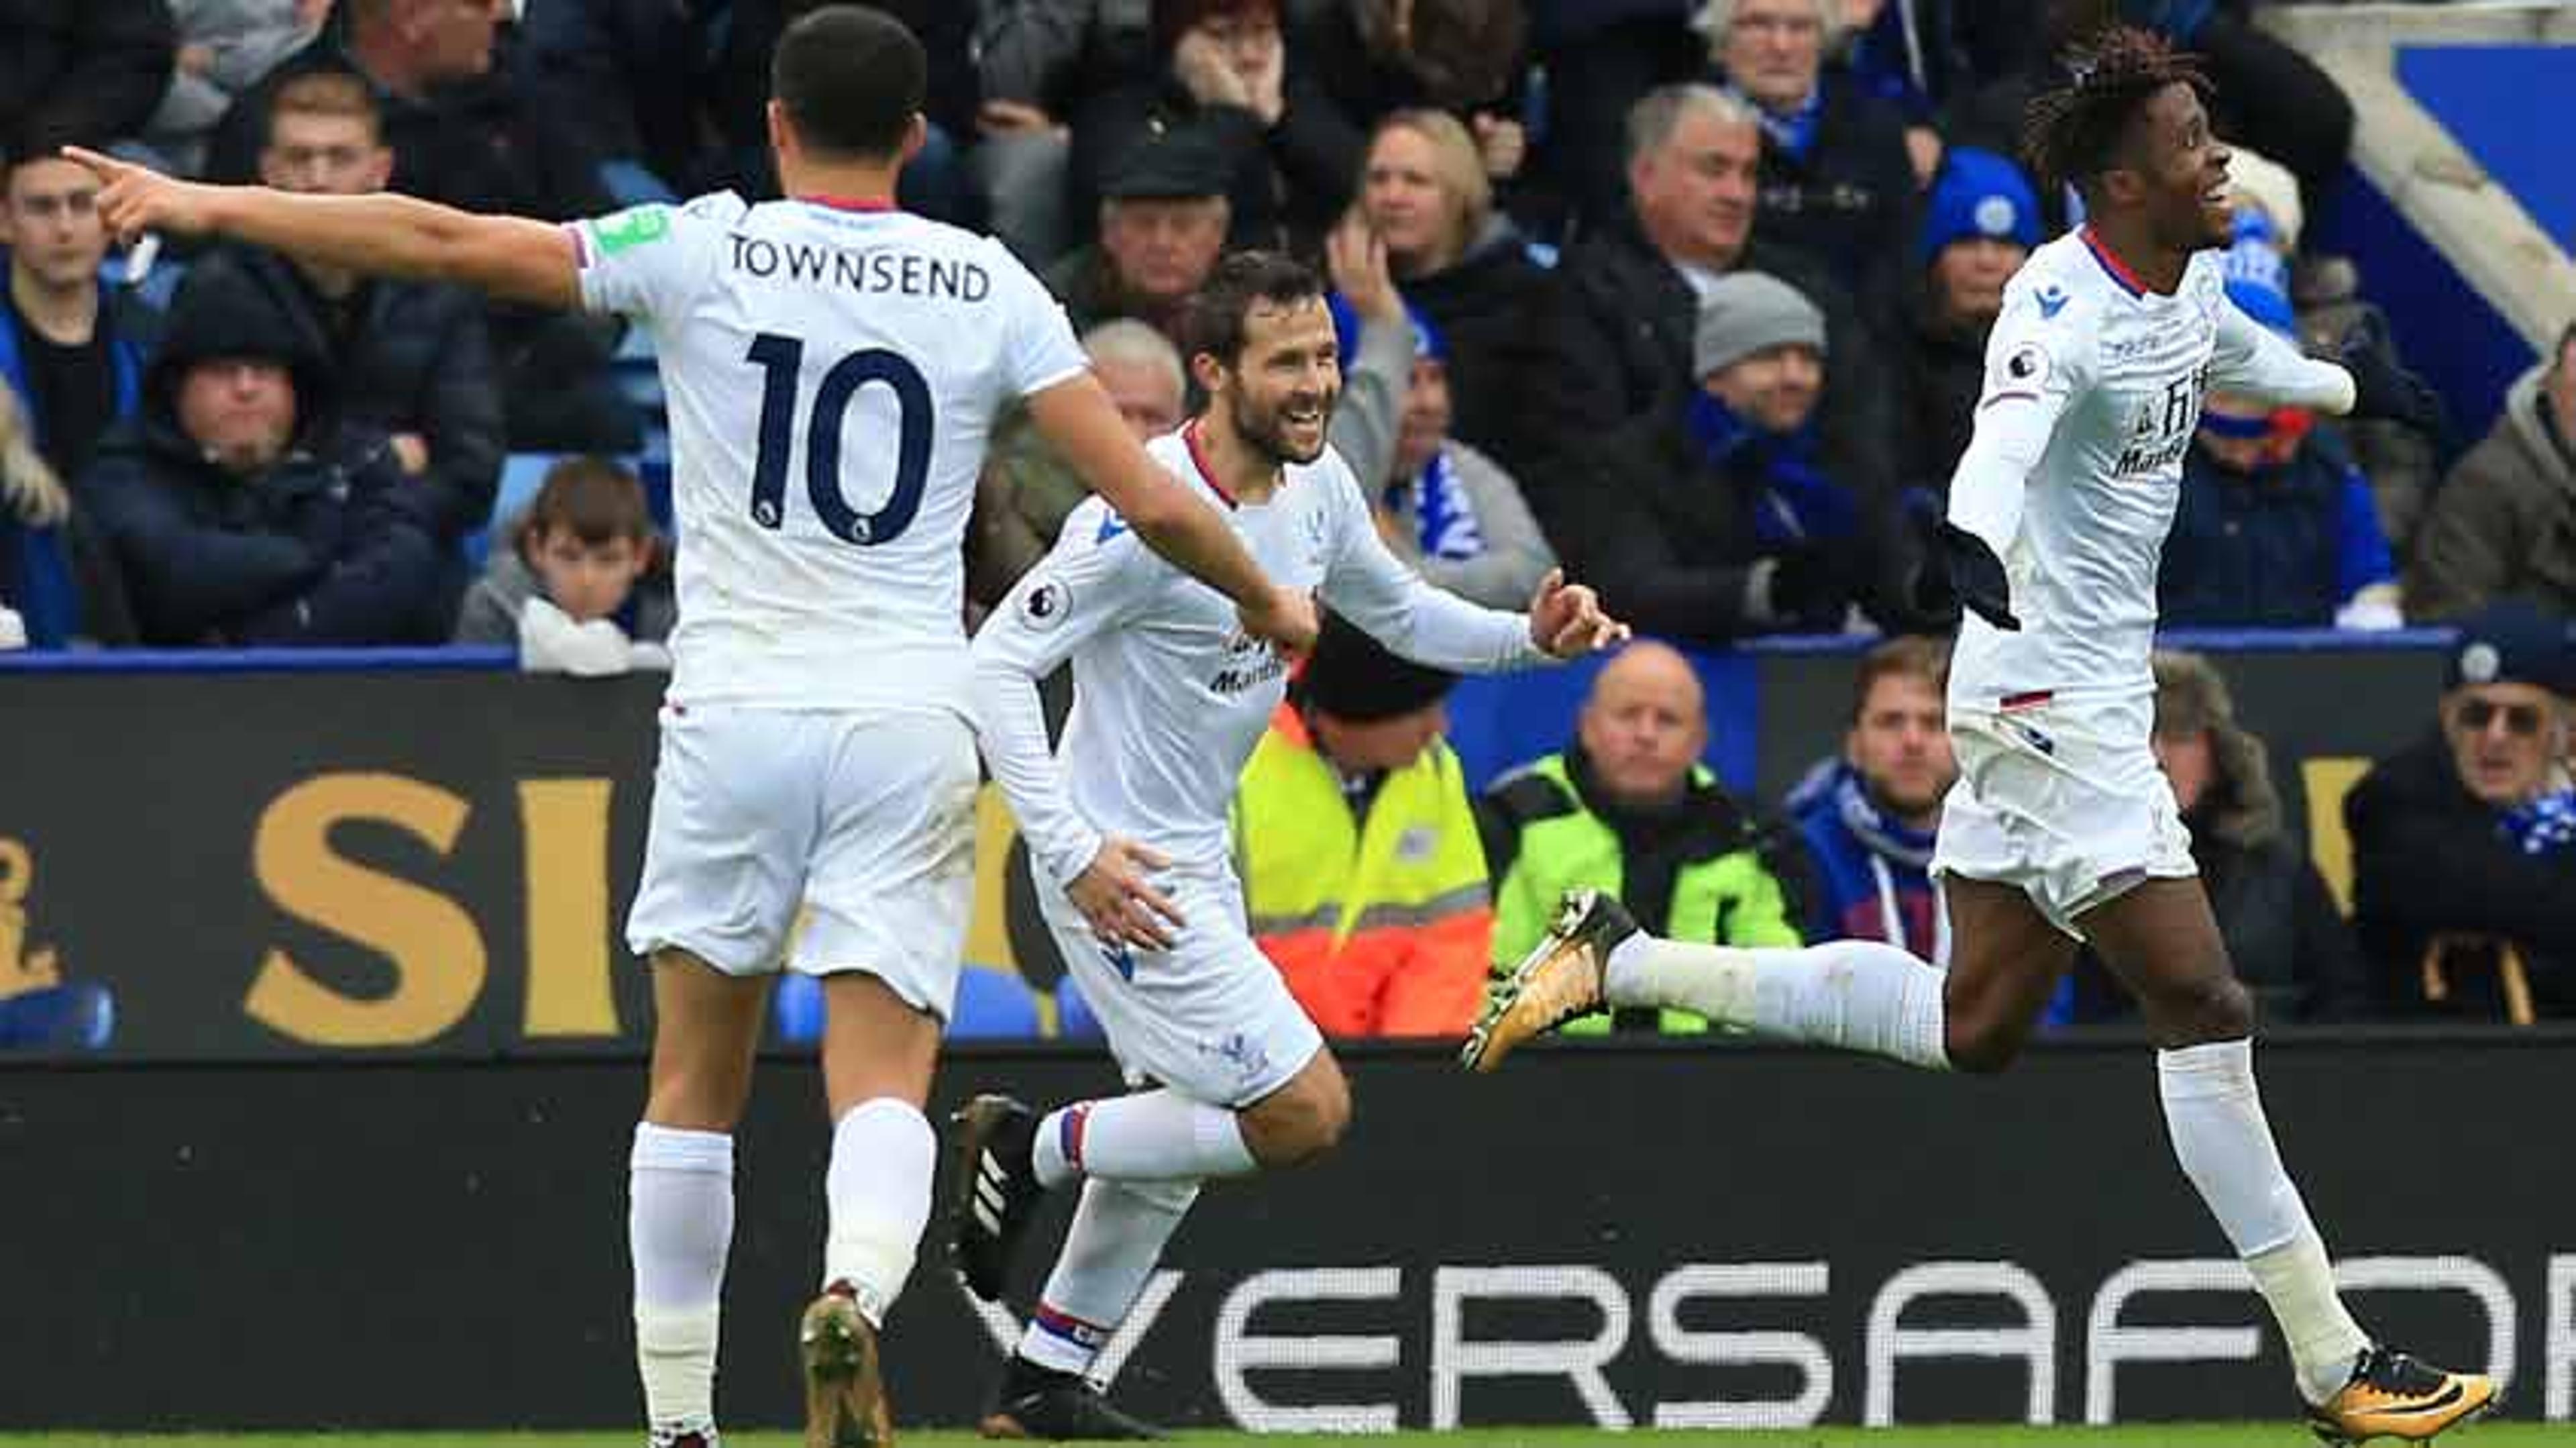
1117,1236
878,1186
1149,1136
679,1226
1860,995
2220,1135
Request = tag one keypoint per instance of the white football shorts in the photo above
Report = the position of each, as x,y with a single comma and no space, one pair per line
1211,1017
865,817
2064,802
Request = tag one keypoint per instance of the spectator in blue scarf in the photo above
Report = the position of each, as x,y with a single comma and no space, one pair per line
2467,838
1837,179
1868,818
1722,521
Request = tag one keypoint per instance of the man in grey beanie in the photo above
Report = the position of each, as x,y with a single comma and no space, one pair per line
1723,522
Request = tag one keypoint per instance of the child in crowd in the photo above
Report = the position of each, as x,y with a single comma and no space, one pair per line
582,584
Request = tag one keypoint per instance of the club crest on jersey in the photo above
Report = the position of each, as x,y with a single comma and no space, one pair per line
1046,605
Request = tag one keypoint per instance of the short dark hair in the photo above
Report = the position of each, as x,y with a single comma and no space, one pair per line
1907,656
1215,322
850,80
2073,132
326,91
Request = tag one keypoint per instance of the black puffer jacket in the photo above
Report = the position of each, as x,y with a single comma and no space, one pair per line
324,546
1611,341
81,70
404,356
2427,859
1482,304
1849,200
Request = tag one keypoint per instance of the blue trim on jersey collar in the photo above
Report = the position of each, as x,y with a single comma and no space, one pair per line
2112,264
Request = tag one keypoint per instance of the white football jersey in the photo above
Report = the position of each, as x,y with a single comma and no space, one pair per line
1170,694
2099,380
832,374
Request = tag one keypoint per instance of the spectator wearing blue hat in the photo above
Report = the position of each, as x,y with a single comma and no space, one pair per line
1441,505
1979,224
2469,834
2275,527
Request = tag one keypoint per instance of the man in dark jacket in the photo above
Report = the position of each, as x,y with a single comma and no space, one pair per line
1614,330
2275,527
235,524
2472,831
1837,180
467,131
1162,225
1717,518
409,359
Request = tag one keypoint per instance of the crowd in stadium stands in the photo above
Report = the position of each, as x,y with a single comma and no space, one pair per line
1691,295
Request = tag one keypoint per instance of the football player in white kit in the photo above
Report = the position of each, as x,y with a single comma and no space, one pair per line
1127,830
2060,827
833,366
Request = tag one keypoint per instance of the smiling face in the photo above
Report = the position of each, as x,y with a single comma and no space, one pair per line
1280,391
2174,171
1775,389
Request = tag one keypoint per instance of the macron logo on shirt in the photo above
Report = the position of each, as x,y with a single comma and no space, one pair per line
2052,300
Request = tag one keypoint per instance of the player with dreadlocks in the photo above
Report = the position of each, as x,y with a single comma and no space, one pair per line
2061,828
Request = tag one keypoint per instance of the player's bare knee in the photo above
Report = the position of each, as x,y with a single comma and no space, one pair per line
1301,1120
2215,1009
1981,1047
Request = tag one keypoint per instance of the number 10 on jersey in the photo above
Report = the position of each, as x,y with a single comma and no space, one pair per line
782,361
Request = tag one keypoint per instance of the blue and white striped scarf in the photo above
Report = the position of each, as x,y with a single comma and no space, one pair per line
1444,518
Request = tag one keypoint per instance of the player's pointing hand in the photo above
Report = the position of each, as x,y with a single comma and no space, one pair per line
1112,893
1566,619
135,199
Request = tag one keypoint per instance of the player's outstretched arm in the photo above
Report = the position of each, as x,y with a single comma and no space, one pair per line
510,257
1421,621
1078,419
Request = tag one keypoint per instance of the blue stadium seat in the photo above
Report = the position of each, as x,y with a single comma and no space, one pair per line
993,1005
796,1009
1073,1018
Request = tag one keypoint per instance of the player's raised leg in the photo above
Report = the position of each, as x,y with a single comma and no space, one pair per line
2161,941
1859,995
1140,1159
680,1187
